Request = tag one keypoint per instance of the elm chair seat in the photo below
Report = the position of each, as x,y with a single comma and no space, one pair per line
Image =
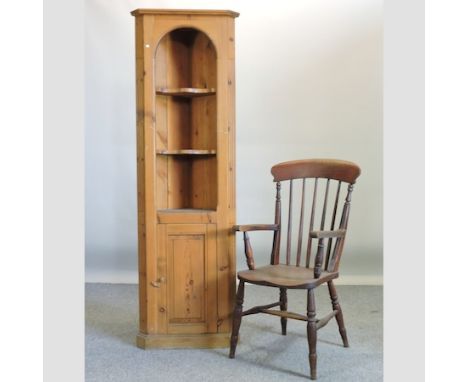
285,276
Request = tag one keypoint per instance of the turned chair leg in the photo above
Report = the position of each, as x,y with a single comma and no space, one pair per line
236,319
312,333
339,315
283,307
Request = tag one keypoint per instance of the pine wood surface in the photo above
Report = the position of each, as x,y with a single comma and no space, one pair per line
188,12
186,175
186,92
174,341
186,152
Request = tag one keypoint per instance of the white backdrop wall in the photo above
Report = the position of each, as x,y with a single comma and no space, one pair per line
309,84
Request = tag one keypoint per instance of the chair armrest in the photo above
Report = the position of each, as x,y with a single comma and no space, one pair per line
256,227
325,234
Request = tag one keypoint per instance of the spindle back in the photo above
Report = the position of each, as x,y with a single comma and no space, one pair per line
319,183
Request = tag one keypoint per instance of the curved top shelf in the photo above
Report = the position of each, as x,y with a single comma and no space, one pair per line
186,92
186,152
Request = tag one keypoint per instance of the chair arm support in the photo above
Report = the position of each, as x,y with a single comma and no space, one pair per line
256,227
247,247
325,234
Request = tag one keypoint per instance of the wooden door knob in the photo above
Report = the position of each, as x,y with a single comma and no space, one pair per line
158,282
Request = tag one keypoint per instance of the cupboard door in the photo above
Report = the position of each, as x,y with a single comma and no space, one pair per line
191,278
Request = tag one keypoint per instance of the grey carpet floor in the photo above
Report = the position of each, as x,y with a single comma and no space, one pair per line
263,354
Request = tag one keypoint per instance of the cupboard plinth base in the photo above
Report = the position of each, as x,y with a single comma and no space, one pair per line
173,341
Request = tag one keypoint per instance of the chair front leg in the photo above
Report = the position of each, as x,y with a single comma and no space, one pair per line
236,319
283,307
339,315
312,333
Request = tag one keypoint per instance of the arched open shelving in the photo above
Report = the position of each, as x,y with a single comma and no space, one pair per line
186,108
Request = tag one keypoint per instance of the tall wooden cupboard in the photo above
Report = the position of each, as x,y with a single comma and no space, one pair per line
186,176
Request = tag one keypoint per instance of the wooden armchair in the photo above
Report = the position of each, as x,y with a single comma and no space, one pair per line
330,243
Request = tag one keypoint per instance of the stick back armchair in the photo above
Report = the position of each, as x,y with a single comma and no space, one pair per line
320,187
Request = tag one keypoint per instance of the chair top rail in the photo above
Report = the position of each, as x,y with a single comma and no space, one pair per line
316,168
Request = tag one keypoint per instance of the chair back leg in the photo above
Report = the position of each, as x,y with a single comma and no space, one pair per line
283,307
236,319
339,315
312,333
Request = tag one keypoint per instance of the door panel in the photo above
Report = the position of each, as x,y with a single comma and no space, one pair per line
191,270
187,257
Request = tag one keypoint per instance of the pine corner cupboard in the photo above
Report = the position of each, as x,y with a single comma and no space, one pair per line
186,176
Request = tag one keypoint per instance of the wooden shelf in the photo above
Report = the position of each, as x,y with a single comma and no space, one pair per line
186,216
185,92
185,210
186,152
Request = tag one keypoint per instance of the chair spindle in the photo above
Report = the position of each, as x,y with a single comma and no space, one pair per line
301,220
335,258
324,211
288,245
332,225
277,235
318,259
248,251
319,255
311,226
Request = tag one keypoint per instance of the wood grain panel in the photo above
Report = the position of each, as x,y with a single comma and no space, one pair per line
211,279
203,121
191,289
146,177
226,186
179,177
161,280
160,118
186,215
187,278
175,341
